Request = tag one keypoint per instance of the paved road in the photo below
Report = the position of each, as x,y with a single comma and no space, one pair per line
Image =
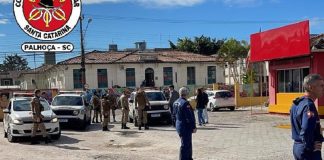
229,136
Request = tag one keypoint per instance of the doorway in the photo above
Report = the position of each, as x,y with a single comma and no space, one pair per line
149,77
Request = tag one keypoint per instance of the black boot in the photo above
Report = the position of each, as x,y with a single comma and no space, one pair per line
34,141
125,127
139,127
122,126
146,126
47,140
105,129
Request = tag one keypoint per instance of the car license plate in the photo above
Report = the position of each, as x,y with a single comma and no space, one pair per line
155,115
63,120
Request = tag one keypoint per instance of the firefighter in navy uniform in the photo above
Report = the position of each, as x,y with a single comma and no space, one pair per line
185,123
305,122
37,116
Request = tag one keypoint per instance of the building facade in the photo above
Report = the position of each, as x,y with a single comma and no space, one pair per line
128,69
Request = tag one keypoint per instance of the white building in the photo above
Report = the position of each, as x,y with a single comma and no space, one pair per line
261,70
127,69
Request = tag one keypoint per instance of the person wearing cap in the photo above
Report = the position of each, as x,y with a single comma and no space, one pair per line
141,102
106,102
37,116
305,122
96,107
125,108
185,123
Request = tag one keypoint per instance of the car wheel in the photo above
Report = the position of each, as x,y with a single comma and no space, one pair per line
4,134
135,121
232,108
9,136
83,125
56,136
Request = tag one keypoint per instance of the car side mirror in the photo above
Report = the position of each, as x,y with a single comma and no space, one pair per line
131,101
6,111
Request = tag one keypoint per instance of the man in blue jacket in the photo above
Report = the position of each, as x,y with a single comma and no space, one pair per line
305,122
185,123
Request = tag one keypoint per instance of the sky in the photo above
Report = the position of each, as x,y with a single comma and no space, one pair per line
125,22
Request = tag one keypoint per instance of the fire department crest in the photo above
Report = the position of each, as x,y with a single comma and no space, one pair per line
47,19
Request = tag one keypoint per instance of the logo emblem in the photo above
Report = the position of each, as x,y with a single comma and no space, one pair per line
47,20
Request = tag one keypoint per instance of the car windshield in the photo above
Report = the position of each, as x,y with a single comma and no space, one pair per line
223,94
155,96
24,105
67,101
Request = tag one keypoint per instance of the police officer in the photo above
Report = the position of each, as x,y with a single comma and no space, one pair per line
185,123
105,104
125,108
37,108
141,104
113,105
305,122
96,107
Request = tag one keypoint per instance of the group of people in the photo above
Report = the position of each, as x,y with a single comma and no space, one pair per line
102,105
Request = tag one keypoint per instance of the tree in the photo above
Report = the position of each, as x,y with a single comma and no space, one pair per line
232,51
14,63
201,45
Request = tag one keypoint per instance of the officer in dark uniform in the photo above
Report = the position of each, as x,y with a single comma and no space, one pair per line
305,122
185,124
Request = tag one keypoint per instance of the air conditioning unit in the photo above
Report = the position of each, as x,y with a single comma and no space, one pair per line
121,67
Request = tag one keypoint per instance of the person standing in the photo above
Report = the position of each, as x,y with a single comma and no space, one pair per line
125,108
113,106
305,122
37,116
96,107
200,106
105,104
174,95
141,102
206,100
185,124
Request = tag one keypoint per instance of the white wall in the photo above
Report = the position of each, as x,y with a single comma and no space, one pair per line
61,77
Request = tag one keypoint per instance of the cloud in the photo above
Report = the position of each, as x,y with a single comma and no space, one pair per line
5,1
2,35
316,21
242,3
4,21
153,3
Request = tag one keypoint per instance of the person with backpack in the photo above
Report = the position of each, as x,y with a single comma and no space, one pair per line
125,108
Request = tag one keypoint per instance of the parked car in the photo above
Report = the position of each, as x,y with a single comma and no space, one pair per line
72,108
159,107
18,120
220,99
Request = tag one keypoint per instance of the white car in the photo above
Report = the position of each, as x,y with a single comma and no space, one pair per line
159,107
71,108
18,120
220,99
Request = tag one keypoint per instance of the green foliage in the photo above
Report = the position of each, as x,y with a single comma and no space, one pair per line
201,45
249,77
14,63
232,50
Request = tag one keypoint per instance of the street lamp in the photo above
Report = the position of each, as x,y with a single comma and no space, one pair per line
83,52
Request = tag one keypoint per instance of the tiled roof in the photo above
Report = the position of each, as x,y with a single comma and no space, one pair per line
98,57
40,69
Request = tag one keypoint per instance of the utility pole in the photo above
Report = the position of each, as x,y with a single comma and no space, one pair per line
83,70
